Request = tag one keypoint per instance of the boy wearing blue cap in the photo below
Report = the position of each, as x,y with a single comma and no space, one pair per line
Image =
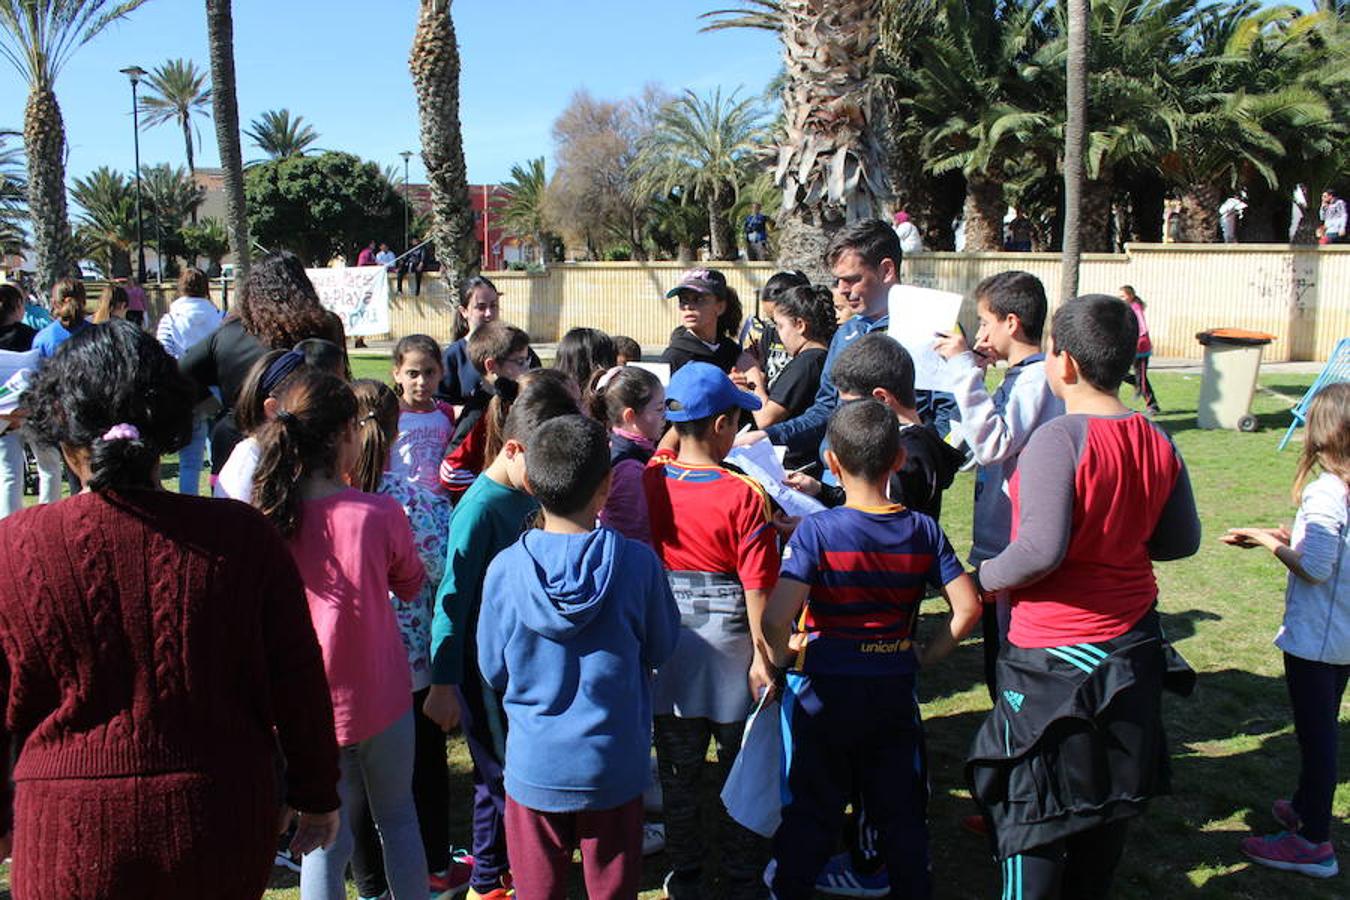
712,529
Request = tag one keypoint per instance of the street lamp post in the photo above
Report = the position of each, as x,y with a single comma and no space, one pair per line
407,155
134,75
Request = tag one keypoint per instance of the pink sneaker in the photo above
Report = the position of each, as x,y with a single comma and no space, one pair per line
1286,815
1292,853
454,880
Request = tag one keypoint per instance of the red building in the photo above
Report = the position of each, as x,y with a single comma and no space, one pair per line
487,200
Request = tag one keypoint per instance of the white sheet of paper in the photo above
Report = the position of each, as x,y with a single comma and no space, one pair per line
760,461
917,314
12,361
659,369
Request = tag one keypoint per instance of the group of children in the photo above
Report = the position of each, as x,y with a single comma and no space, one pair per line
589,579
560,563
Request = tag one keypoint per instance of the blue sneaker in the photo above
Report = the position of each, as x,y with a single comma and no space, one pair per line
838,879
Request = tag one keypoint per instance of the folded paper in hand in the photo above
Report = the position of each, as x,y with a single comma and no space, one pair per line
760,461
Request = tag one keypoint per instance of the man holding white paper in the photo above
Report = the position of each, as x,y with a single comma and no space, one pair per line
865,261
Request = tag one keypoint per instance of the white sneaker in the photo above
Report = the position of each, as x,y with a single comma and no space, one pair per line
653,838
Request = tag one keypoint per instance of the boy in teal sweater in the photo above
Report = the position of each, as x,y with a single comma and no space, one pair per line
488,518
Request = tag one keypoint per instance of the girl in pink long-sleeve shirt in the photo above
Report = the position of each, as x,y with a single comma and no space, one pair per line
632,403
352,550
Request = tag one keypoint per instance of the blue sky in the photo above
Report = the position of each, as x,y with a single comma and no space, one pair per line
343,66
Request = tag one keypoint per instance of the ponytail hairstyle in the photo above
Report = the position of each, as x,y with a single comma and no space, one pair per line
628,387
466,289
1131,296
813,304
729,322
68,300
376,428
1326,439
313,410
114,297
552,383
116,393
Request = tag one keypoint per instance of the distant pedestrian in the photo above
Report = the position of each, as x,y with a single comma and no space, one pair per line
385,257
911,241
135,302
1333,218
414,261
367,255
756,234
1230,214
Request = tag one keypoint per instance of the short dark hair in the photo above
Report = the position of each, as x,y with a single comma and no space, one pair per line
875,361
546,395
1016,293
865,437
698,428
565,463
1101,334
627,348
325,356
814,305
495,340
872,239
110,375
417,343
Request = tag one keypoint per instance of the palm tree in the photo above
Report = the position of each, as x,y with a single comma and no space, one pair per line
207,238
38,38
1075,134
13,194
523,213
174,93
225,111
434,62
107,217
174,197
829,161
707,146
1231,102
279,136
977,98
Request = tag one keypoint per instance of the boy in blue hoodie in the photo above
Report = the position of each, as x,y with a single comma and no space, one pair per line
574,619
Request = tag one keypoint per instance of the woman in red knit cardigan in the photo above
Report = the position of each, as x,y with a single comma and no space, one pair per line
155,651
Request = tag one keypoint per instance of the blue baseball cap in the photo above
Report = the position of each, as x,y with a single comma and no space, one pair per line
699,390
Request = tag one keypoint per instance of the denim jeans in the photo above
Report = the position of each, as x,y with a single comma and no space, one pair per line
11,473
49,466
190,460
381,768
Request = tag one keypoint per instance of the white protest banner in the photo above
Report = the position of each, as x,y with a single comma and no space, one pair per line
917,315
358,294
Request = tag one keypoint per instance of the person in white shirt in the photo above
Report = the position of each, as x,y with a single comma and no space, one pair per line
1333,217
190,319
911,240
386,257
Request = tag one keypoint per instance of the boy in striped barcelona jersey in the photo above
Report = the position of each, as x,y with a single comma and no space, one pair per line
1074,746
852,578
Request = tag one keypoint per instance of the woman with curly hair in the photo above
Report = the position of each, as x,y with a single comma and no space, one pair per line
153,667
278,308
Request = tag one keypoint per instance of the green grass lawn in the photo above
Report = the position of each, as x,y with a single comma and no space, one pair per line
1233,744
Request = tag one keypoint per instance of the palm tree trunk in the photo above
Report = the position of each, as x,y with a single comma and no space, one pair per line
719,225
830,165
434,62
44,141
225,111
1200,213
983,212
1075,138
191,163
1094,222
